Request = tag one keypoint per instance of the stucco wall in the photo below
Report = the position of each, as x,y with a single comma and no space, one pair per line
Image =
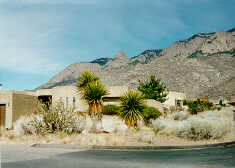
111,101
22,104
6,98
172,96
66,94
154,103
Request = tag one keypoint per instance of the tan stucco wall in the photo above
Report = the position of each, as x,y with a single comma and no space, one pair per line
116,91
22,104
61,93
111,101
43,92
68,92
154,103
6,98
172,96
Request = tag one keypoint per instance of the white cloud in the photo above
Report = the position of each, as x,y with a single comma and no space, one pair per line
24,43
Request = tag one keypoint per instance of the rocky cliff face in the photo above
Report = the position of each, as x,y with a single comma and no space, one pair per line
198,66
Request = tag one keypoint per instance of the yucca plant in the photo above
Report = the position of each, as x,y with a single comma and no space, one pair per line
132,106
93,94
85,78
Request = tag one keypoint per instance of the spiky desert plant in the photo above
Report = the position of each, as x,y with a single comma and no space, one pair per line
85,78
132,106
93,94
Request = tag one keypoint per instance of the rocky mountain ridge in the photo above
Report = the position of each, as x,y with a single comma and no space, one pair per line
196,66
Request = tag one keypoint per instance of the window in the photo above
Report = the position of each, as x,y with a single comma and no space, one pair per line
74,102
67,102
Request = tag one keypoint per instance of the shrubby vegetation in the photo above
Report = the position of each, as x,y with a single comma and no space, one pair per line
132,106
198,106
207,126
50,119
92,91
111,110
153,89
150,113
179,115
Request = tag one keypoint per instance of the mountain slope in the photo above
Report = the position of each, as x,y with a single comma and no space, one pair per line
194,66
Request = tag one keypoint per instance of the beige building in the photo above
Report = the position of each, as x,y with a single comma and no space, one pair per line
174,99
14,104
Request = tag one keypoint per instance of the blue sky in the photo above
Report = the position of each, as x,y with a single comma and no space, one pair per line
39,38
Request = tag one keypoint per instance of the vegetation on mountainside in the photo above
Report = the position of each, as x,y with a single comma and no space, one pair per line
232,52
153,89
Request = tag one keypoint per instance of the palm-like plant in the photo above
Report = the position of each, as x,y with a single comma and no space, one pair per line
85,78
93,94
132,106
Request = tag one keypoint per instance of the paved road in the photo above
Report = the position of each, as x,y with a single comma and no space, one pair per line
26,157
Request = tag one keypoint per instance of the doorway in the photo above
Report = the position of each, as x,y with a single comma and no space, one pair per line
2,115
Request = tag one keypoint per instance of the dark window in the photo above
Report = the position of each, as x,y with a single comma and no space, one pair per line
74,102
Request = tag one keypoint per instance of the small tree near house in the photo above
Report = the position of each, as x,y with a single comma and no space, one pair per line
132,107
153,89
92,92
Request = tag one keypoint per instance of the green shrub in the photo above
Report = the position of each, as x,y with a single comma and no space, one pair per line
153,89
132,106
199,106
111,110
150,113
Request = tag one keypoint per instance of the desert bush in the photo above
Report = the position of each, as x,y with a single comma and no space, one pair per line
203,128
208,126
165,126
198,106
111,110
49,119
23,126
181,115
174,109
56,118
150,113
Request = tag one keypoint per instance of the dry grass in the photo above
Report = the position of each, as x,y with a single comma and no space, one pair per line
132,137
207,125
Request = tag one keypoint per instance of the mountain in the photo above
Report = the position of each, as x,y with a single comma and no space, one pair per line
101,61
202,65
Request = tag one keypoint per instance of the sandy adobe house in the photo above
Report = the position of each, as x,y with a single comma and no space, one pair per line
14,104
175,99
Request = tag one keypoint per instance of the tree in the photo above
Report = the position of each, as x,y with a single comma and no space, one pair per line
92,92
132,106
153,89
84,79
